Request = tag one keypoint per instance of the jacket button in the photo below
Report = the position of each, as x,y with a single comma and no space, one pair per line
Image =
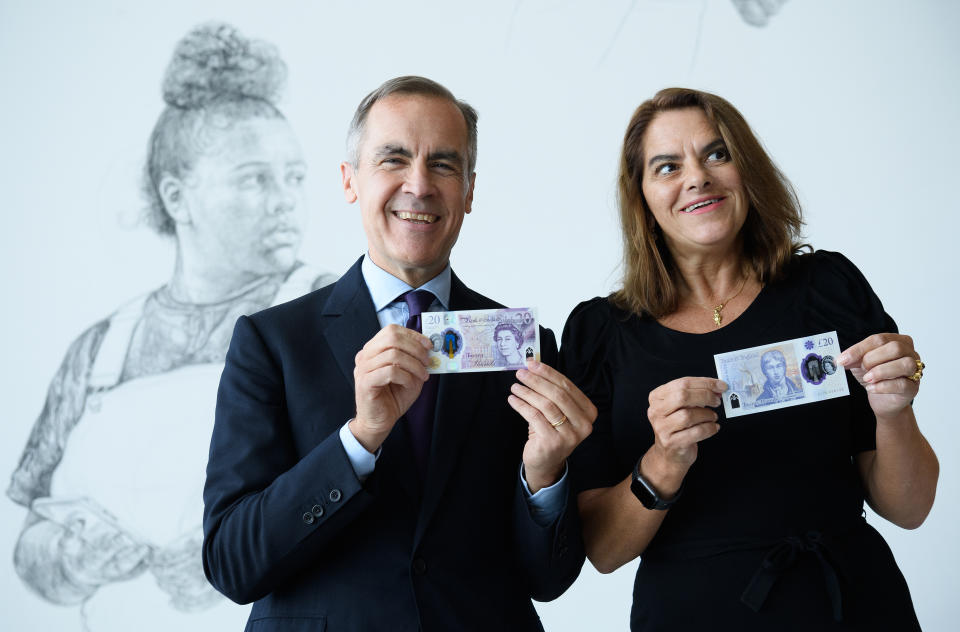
317,510
419,566
308,518
335,495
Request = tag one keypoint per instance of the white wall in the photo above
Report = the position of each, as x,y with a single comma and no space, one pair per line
856,100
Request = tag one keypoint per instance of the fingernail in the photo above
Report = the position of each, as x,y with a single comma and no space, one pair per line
871,388
868,377
723,385
843,359
522,373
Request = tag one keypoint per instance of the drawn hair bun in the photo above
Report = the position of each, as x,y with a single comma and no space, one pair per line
214,62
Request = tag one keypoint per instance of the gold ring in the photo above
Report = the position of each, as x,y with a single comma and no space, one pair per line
918,373
557,424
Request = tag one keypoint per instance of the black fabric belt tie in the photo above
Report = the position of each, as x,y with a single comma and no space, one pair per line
780,558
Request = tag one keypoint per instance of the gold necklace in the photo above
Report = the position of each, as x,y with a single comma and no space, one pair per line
717,315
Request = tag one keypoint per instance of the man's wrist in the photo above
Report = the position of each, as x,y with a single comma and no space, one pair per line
369,442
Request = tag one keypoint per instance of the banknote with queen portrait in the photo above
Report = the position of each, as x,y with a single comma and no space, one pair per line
482,340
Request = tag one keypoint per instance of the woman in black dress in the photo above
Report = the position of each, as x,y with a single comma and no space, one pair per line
760,526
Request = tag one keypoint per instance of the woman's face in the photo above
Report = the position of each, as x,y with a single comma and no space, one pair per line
507,343
245,200
690,183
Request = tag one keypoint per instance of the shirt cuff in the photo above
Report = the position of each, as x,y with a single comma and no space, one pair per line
548,503
362,461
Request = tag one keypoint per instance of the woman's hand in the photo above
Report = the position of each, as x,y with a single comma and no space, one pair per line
559,417
681,417
883,364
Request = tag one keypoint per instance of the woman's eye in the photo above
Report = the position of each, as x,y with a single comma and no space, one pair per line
665,169
718,155
296,179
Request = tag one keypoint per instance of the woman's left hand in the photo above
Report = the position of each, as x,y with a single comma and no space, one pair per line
884,365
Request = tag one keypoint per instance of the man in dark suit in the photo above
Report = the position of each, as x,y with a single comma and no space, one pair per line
346,488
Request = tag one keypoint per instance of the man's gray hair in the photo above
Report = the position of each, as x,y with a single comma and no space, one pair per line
410,85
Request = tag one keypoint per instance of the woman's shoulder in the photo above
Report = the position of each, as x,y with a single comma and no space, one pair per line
593,324
597,313
835,289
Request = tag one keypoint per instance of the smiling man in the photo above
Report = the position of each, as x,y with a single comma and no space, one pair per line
346,487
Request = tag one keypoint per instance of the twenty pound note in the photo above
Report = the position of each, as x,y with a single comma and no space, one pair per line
482,339
782,374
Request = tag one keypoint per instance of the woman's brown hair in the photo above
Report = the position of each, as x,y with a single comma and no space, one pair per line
770,234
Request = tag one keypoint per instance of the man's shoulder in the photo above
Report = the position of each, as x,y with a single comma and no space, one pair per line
311,306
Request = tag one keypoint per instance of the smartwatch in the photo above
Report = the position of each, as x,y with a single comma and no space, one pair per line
647,495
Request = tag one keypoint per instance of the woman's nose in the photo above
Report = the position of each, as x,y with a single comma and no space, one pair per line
697,177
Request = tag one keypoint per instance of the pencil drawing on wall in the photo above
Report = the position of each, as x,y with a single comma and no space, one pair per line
113,468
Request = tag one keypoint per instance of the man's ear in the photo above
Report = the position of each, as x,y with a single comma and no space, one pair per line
468,206
346,176
172,194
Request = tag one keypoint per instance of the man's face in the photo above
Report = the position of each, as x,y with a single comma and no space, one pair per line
774,369
412,184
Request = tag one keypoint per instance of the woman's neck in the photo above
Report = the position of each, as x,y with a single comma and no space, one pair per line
712,280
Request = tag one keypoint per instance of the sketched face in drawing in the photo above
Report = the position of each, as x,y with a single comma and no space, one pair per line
243,202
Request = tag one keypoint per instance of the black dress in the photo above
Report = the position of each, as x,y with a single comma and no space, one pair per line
769,533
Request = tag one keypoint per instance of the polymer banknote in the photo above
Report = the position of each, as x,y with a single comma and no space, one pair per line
781,374
482,339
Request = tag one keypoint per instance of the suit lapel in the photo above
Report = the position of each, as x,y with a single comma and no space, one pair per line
457,398
351,321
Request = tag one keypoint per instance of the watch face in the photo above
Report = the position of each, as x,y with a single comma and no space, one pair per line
645,493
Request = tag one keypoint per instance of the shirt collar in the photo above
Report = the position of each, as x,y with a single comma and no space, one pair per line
385,288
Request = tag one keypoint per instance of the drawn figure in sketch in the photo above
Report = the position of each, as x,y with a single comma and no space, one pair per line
507,341
778,387
113,470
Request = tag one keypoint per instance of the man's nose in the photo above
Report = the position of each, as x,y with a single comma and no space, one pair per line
418,181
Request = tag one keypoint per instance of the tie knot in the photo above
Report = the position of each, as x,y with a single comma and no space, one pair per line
418,301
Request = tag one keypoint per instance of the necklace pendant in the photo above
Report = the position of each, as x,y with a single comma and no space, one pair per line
717,318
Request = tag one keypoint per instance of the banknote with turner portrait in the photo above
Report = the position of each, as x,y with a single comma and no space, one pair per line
781,374
482,339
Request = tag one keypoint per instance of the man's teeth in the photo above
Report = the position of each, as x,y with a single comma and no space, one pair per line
419,217
694,207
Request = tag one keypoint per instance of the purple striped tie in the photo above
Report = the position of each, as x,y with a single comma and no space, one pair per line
420,415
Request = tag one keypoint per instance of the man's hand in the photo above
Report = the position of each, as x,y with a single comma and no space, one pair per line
388,375
559,417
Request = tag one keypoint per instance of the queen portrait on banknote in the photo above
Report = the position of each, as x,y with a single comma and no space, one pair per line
752,395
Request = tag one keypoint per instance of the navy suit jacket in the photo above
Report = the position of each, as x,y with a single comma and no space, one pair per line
288,525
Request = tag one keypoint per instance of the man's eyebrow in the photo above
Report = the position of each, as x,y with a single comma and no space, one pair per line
393,150
445,154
